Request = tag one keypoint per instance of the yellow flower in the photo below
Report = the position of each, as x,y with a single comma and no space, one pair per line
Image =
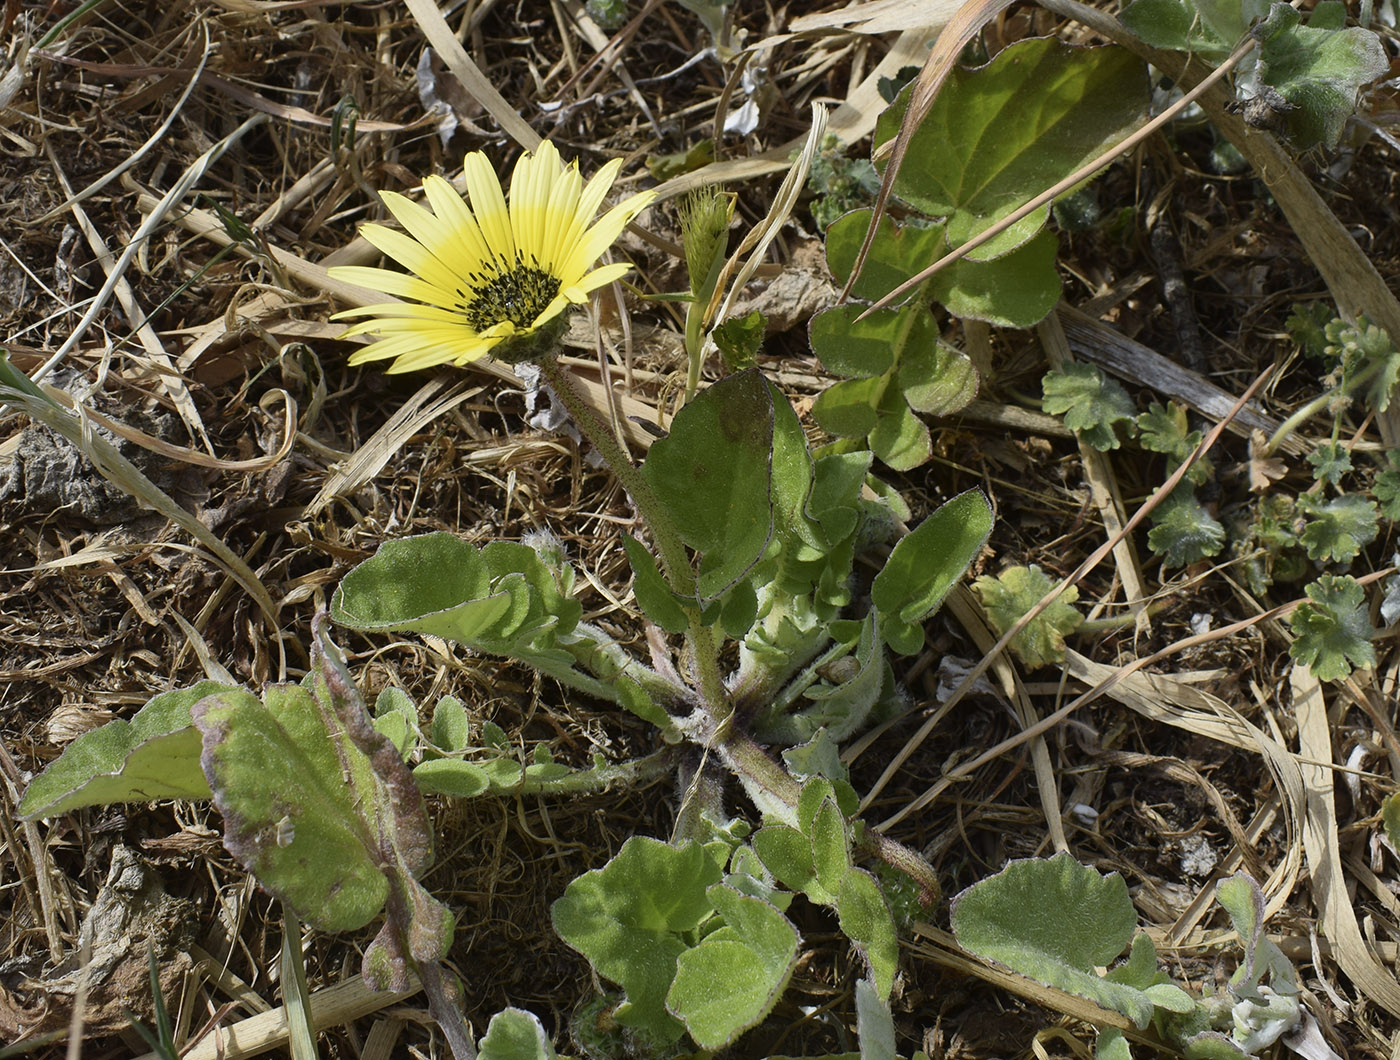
491,278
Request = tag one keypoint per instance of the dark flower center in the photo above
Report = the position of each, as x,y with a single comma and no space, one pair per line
518,294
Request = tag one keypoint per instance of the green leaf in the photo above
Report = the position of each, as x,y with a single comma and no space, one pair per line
850,408
1330,461
1333,629
1015,290
649,586
712,475
1112,1045
1090,402
1387,487
1319,71
435,583
451,728
1207,29
831,846
999,135
925,564
628,917
1307,326
1054,921
1011,594
515,1034
787,854
874,1024
1184,532
899,252
865,919
937,380
1163,429
739,339
288,814
1390,818
733,978
155,755
1338,530
862,348
321,808
899,438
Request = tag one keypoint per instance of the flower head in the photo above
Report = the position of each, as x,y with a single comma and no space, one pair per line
488,278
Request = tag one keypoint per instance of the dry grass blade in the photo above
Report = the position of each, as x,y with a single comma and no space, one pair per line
1336,917
450,50
121,472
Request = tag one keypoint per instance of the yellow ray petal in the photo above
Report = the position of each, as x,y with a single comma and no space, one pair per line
448,205
489,206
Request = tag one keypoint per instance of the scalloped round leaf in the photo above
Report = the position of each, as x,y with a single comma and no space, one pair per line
1016,290
937,380
898,252
899,438
999,135
627,919
848,409
857,349
732,979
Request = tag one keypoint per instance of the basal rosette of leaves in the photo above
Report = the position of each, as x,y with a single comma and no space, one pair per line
982,151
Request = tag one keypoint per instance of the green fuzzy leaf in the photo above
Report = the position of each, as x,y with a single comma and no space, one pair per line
1390,818
998,135
1054,921
1184,532
653,594
1333,630
288,814
733,978
1319,71
628,917
874,1024
1090,402
1209,29
858,349
787,854
451,728
925,564
1330,461
321,808
937,380
712,475
1112,1045
850,408
899,437
155,755
1011,594
515,1034
1338,530
866,920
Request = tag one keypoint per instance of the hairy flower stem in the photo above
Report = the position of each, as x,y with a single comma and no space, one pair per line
675,563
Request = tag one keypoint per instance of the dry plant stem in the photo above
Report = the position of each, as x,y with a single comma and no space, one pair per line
675,563
1089,564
